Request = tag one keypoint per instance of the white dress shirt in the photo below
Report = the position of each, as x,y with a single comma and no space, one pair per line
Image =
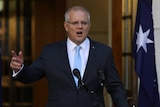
84,52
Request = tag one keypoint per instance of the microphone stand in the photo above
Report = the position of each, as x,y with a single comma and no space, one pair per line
101,85
96,103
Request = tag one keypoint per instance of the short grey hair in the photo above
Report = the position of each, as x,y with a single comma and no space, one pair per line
76,8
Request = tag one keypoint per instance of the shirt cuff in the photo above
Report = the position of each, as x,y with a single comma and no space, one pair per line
15,73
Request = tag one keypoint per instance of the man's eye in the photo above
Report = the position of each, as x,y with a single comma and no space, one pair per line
83,23
75,23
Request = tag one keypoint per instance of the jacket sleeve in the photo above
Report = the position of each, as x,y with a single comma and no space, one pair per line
114,85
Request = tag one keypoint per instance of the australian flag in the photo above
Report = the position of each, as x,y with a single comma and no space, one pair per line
144,55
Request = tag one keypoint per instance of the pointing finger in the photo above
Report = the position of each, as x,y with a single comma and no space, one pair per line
20,55
13,53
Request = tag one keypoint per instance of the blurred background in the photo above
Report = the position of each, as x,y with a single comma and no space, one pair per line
28,25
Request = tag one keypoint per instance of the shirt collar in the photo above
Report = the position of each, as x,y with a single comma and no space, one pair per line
71,45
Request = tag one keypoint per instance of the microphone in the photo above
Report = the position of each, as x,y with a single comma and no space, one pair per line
76,73
102,77
101,74
96,102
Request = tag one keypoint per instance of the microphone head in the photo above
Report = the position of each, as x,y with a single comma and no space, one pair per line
101,74
76,73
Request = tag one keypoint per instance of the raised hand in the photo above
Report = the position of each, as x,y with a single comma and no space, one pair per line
16,60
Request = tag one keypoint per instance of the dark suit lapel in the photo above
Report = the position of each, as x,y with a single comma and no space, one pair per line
65,61
91,59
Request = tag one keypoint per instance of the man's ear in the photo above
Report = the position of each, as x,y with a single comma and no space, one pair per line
66,26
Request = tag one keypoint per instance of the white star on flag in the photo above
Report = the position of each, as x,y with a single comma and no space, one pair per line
142,39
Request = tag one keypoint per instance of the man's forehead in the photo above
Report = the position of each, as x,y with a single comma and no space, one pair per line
78,13
77,10
78,16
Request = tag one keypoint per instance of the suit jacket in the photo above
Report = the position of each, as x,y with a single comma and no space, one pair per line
53,63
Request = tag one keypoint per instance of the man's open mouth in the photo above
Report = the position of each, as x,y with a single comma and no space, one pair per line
79,32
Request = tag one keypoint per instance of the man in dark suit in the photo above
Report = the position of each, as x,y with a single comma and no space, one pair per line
57,64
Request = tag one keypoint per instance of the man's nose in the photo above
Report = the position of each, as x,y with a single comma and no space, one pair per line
79,25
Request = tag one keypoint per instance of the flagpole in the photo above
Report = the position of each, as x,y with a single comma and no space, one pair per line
135,80
156,17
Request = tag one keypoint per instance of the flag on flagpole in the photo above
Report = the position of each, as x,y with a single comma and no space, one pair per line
144,55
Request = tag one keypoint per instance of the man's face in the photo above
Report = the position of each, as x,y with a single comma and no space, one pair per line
78,26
